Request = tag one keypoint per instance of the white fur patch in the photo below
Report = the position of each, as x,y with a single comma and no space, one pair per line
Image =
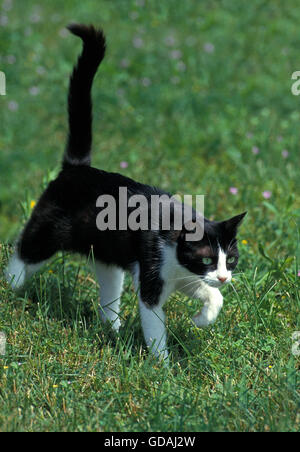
153,324
15,273
205,288
111,280
213,302
212,278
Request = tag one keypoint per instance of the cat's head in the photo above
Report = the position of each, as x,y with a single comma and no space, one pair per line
215,256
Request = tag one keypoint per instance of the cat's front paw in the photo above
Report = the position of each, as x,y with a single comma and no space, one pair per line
116,324
200,320
113,324
162,357
210,310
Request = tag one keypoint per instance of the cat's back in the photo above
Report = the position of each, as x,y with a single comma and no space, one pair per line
80,185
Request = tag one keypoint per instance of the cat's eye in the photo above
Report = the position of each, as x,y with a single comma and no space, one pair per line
207,260
231,260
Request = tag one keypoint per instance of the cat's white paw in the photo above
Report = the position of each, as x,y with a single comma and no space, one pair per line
200,320
115,323
162,356
210,310
15,273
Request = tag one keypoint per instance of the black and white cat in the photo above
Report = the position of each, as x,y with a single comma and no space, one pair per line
160,261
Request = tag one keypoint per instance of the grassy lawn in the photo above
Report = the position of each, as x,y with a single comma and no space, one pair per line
195,97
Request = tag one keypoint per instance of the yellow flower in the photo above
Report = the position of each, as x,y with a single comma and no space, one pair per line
50,271
244,242
55,386
32,204
5,367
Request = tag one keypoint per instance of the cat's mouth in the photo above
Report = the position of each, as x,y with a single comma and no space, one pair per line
216,282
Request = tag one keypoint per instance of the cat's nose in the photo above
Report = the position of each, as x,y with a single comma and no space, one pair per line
222,278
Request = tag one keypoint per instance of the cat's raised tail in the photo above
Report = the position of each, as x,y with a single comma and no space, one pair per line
78,148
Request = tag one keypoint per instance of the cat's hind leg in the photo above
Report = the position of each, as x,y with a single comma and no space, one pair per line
18,271
38,242
111,280
15,272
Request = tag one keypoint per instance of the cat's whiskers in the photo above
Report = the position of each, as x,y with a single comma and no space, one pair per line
189,284
194,293
186,277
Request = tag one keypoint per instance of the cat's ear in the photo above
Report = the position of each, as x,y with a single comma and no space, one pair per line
233,223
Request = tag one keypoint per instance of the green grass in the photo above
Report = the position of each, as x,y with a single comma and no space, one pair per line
203,84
